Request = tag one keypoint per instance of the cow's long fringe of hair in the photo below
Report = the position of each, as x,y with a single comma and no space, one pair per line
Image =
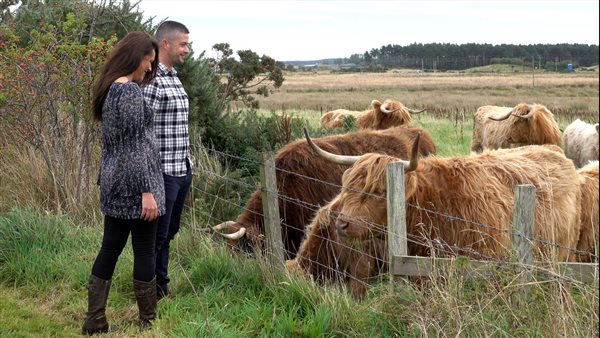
376,119
545,127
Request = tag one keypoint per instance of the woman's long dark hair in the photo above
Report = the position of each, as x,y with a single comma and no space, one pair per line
124,59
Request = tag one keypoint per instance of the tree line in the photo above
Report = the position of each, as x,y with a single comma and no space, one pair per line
447,56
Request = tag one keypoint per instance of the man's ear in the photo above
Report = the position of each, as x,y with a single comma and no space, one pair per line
164,43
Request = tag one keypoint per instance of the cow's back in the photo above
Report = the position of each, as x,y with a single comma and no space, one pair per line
487,134
480,189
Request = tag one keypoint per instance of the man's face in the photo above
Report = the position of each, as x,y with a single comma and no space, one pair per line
178,48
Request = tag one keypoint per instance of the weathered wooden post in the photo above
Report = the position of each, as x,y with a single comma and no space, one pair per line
523,228
396,214
274,243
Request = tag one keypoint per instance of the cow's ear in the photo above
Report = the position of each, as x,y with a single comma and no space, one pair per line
376,104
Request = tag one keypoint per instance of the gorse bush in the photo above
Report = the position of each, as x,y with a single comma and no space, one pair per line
247,133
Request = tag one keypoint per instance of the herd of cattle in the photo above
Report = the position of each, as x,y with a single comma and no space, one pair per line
332,191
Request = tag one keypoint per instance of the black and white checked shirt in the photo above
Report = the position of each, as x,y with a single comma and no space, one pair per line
167,97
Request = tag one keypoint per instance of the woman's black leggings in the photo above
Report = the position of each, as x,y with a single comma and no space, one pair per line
143,240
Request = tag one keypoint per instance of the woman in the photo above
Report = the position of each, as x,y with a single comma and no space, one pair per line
131,183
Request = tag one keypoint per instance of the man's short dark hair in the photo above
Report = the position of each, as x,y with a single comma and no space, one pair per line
168,27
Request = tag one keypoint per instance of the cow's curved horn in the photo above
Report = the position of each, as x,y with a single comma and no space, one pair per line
236,235
414,156
414,111
339,159
501,118
384,109
224,225
528,115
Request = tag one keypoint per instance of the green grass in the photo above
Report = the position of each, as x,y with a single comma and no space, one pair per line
20,317
451,137
217,293
500,68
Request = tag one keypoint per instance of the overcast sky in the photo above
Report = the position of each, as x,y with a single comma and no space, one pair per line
314,29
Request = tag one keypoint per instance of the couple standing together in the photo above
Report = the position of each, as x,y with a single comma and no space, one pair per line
145,168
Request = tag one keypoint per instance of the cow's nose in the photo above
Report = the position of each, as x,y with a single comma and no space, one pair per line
341,224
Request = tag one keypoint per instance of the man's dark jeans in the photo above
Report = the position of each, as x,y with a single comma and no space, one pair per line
176,190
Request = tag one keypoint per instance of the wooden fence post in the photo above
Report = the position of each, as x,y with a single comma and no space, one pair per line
396,213
523,228
274,243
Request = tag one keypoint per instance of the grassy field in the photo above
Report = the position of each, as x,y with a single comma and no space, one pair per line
573,94
46,256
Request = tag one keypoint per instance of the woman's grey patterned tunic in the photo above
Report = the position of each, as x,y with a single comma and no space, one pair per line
130,163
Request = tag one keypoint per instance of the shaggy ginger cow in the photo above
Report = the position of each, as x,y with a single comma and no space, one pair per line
580,141
588,238
504,127
381,116
335,118
300,177
476,188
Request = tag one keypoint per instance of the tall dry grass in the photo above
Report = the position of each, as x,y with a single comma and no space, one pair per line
26,180
573,94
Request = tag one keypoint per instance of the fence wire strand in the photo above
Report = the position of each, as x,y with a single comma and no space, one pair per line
435,245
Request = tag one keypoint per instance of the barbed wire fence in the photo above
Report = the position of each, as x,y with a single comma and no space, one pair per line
391,257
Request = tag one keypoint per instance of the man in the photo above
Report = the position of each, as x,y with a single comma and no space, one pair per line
167,97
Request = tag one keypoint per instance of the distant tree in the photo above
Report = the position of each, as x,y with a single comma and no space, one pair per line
246,75
452,56
356,58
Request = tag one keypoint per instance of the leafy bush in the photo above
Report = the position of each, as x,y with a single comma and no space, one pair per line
47,85
246,133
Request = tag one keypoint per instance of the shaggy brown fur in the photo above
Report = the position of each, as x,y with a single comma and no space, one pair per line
588,238
539,128
478,188
319,251
372,118
297,160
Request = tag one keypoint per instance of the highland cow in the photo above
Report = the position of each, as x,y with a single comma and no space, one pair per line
588,237
306,182
476,188
381,116
580,141
503,127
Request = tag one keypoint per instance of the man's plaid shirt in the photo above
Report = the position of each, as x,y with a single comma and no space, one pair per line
166,96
